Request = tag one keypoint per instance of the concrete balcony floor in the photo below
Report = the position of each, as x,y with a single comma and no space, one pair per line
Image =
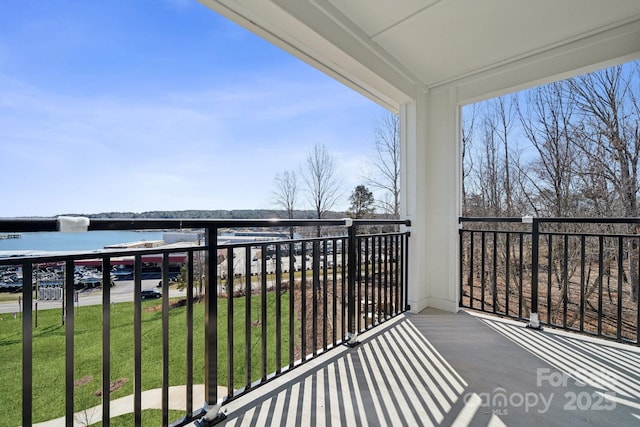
464,369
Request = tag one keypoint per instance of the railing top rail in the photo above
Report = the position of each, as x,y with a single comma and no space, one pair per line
567,220
488,219
406,222
14,225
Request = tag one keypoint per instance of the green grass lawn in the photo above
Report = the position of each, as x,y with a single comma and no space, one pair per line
49,358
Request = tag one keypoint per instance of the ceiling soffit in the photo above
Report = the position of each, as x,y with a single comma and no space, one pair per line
441,41
388,50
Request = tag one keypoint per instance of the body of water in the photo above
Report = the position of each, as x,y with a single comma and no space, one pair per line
92,240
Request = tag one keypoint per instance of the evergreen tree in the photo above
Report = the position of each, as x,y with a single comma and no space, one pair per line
362,203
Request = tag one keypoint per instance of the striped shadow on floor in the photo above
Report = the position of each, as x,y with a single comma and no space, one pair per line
612,369
393,377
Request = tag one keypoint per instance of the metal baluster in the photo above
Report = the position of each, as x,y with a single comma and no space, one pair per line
353,257
247,318
230,317
189,334
549,276
69,324
106,340
278,310
292,278
165,339
535,237
315,280
303,302
620,279
211,324
137,340
27,344
582,280
263,312
600,278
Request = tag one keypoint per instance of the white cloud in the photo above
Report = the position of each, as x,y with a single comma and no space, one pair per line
214,144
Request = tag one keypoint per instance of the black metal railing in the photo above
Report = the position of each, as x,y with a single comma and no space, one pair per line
247,312
580,274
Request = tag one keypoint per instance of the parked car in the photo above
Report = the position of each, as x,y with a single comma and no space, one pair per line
150,294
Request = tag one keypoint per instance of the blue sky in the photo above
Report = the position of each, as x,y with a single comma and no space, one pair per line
159,105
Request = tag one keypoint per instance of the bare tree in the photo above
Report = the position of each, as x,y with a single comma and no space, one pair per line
492,169
603,98
286,194
468,128
611,138
321,181
547,123
504,113
385,162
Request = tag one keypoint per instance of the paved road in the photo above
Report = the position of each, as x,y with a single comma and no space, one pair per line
123,289
121,292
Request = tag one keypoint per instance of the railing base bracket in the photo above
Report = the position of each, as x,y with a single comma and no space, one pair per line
207,423
534,323
352,340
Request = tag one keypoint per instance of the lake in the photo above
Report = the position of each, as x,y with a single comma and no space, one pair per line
92,240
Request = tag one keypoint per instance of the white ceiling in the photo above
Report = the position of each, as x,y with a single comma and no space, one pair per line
444,40
387,49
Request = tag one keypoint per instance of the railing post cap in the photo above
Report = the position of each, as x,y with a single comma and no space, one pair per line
73,224
527,219
348,222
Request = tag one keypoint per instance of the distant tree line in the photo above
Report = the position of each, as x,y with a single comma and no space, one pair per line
213,214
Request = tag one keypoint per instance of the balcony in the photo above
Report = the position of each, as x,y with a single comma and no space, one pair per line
247,312
462,369
338,346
